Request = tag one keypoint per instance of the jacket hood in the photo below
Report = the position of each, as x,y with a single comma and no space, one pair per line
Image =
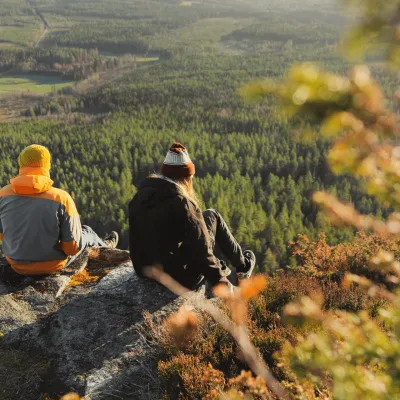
31,181
156,190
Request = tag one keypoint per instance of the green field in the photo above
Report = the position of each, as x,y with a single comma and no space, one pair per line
32,83
139,58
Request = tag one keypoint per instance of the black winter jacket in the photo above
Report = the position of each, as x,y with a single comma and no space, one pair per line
167,228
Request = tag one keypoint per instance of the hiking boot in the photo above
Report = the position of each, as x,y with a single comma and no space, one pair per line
111,240
250,262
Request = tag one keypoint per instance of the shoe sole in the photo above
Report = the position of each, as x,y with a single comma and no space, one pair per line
112,243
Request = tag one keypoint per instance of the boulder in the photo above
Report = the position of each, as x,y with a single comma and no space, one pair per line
87,338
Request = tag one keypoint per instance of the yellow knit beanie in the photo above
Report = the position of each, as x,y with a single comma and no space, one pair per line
35,156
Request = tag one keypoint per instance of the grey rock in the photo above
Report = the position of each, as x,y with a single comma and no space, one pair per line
90,335
14,314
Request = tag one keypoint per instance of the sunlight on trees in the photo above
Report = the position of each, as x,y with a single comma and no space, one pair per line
354,354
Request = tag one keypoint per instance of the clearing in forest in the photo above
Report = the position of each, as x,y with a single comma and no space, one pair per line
202,33
32,83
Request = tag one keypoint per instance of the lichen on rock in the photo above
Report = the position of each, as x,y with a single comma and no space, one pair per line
89,335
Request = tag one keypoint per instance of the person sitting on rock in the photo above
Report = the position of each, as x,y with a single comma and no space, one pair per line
40,227
167,227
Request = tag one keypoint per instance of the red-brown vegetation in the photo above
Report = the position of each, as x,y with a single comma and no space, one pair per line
208,362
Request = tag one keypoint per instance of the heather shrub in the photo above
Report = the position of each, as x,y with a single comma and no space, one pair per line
270,343
286,287
210,351
350,299
210,344
322,260
330,264
186,377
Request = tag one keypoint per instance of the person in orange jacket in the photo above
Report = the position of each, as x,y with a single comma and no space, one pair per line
40,227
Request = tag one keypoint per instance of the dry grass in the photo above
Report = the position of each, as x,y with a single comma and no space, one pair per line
84,278
210,352
101,262
14,105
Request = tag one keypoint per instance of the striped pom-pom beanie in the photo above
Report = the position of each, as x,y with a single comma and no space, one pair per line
177,163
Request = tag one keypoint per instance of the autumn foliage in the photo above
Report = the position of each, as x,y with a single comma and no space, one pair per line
279,312
329,327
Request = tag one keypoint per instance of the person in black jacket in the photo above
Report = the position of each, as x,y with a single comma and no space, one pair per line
167,227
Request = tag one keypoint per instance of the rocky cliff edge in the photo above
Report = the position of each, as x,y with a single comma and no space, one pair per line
57,337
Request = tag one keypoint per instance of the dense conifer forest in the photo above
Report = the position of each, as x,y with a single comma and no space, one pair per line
273,104
107,138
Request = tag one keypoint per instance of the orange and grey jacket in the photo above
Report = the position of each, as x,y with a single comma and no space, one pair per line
39,225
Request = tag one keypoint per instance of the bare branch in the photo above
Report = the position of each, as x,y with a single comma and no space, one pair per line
239,332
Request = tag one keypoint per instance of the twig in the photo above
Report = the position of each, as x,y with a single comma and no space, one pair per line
251,354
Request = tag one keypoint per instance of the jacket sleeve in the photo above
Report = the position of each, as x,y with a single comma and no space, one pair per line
199,242
70,228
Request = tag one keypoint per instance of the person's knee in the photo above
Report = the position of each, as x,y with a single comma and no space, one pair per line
211,213
87,230
211,218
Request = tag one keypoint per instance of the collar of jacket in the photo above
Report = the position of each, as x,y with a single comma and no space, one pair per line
166,179
31,181
160,183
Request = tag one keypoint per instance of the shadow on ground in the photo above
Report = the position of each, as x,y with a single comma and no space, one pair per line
85,340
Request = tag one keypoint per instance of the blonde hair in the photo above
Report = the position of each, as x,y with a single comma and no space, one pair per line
185,186
187,189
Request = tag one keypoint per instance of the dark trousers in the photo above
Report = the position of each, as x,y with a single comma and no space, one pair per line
223,238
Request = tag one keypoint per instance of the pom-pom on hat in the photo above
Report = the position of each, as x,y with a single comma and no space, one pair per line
177,163
35,156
